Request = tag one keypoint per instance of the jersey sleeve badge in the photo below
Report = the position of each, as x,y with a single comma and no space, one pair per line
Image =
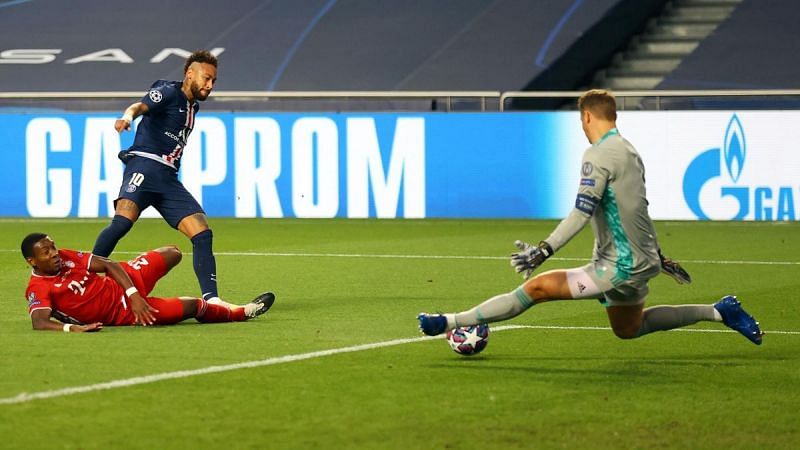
155,95
33,301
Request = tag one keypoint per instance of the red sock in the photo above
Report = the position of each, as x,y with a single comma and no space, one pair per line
217,313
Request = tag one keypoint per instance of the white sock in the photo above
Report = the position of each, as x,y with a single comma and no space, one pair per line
221,302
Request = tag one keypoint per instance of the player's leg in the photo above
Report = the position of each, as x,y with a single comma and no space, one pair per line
208,312
176,309
146,269
126,212
632,320
195,227
133,198
629,318
544,287
185,214
548,286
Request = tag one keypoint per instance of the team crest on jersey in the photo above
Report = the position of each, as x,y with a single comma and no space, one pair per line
32,300
155,95
587,169
130,188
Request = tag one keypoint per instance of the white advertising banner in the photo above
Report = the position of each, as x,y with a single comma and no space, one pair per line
718,165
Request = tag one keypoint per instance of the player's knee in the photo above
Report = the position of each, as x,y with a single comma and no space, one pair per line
539,288
536,291
172,255
626,332
175,253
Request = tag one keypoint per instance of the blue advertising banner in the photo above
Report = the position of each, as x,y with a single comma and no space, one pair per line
300,165
706,165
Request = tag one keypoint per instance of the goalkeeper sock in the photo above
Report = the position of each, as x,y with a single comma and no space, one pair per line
108,238
667,317
208,313
205,266
497,308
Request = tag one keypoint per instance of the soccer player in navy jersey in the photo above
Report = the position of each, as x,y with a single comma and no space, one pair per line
151,167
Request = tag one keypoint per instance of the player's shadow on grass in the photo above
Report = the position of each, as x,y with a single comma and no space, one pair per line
655,369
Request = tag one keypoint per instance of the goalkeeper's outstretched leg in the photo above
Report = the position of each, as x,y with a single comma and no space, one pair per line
628,317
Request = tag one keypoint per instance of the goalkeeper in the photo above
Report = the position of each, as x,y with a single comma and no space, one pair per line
611,197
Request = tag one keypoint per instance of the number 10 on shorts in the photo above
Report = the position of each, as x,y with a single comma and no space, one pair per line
136,180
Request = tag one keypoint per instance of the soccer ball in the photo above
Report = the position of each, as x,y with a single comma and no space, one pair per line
468,341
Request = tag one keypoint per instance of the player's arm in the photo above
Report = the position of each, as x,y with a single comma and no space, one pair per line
131,113
593,182
529,257
139,306
40,319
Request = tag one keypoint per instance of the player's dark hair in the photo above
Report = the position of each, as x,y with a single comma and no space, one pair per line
28,243
600,102
201,56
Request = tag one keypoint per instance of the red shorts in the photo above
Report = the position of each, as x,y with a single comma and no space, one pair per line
145,270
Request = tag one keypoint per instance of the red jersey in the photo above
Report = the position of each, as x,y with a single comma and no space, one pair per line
79,293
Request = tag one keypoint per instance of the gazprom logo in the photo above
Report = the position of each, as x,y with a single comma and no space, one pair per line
766,205
735,148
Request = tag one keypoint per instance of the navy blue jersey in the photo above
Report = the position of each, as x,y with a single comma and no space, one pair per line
165,128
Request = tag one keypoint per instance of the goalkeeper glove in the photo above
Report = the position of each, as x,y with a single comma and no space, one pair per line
674,269
529,257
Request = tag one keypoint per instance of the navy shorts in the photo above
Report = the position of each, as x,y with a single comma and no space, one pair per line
150,183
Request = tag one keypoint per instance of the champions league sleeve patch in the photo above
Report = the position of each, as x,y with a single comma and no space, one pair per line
587,169
155,95
586,203
32,300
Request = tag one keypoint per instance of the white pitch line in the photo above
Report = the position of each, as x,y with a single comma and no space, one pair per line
451,257
25,397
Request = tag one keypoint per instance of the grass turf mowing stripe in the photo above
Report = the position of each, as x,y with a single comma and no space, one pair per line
25,397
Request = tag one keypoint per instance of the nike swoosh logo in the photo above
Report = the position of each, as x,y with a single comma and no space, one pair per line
181,110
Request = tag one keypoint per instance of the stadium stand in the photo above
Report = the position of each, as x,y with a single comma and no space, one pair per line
285,45
750,50
668,38
390,46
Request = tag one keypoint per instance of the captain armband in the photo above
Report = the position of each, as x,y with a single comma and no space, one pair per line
586,203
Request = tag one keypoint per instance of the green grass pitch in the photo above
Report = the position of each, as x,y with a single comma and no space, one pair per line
344,283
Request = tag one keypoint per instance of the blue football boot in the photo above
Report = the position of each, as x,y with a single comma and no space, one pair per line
737,318
432,324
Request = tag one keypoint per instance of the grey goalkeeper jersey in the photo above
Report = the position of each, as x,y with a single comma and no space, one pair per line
612,197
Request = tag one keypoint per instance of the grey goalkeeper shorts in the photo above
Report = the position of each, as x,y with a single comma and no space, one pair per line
599,279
